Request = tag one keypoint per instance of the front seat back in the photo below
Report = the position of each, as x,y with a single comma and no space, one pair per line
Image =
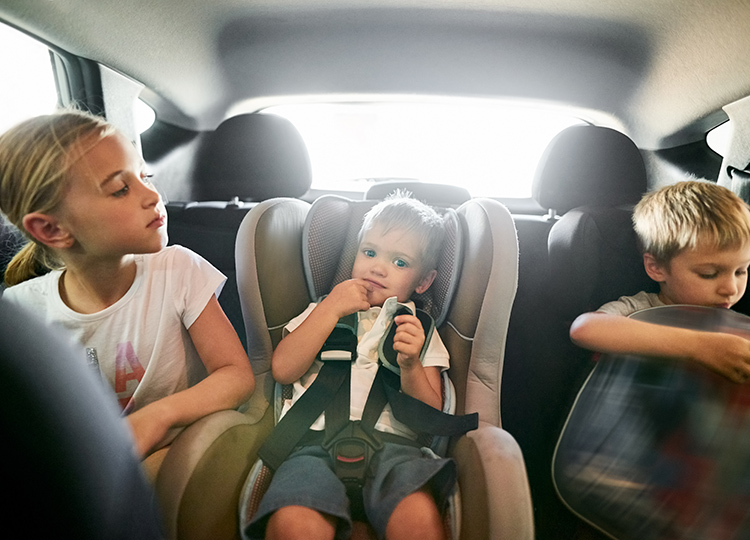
69,466
274,285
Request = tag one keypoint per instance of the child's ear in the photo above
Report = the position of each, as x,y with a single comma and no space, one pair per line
45,229
654,269
426,281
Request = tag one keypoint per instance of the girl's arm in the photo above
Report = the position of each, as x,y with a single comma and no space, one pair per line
422,383
229,383
296,352
726,354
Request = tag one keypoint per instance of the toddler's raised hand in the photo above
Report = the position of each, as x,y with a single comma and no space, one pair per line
408,340
348,297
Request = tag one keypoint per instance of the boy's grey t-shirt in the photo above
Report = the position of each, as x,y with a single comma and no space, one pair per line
627,305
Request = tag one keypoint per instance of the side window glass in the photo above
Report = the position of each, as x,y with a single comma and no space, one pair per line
27,84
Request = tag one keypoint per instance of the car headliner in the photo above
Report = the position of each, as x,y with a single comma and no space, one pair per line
664,68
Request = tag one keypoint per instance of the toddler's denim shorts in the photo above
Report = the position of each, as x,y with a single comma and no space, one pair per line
307,479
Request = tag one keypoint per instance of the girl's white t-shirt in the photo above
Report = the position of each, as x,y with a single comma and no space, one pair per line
141,342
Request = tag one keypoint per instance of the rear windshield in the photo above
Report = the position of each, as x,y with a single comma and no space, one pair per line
490,148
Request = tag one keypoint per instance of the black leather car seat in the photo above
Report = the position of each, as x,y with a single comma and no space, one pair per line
589,178
248,158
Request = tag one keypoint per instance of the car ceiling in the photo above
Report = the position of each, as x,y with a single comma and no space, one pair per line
664,68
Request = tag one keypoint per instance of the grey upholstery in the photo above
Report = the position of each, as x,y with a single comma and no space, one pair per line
273,289
437,194
589,166
11,241
69,467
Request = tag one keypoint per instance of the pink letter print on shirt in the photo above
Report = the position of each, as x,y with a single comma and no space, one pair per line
127,368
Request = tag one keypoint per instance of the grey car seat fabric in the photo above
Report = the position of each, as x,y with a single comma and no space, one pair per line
273,289
592,176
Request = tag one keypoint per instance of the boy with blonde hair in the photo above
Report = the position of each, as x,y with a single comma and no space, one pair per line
406,488
695,238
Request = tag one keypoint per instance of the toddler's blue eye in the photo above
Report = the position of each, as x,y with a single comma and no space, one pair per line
401,263
369,252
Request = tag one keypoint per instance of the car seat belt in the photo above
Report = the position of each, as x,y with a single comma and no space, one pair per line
330,393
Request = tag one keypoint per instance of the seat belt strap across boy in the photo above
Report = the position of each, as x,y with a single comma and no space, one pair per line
339,351
332,383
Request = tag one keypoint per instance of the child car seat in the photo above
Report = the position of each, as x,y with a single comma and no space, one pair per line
290,252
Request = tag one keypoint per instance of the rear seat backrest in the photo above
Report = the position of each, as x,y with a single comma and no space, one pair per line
590,177
248,158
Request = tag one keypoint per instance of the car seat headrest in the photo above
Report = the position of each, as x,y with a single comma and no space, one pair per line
431,193
329,241
589,166
253,157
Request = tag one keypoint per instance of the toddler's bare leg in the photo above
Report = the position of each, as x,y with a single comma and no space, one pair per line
417,512
300,523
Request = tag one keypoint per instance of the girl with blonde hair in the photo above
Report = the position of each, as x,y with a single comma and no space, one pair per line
97,264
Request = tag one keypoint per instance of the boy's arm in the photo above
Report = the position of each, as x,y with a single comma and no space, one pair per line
296,352
726,354
422,383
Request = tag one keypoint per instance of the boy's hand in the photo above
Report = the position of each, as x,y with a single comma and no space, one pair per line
727,354
348,297
408,340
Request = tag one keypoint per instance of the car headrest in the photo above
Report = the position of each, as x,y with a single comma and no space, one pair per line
431,193
253,157
589,166
329,241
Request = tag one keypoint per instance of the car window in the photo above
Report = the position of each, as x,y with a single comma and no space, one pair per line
719,138
490,148
28,85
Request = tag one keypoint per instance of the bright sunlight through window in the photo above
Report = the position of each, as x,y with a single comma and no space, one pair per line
490,148
28,87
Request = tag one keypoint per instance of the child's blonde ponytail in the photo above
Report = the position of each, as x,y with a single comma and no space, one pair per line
31,261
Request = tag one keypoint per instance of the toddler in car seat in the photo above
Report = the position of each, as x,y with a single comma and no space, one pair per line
695,238
96,264
405,489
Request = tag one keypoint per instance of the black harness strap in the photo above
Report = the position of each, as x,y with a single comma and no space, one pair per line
330,392
292,427
332,380
417,415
